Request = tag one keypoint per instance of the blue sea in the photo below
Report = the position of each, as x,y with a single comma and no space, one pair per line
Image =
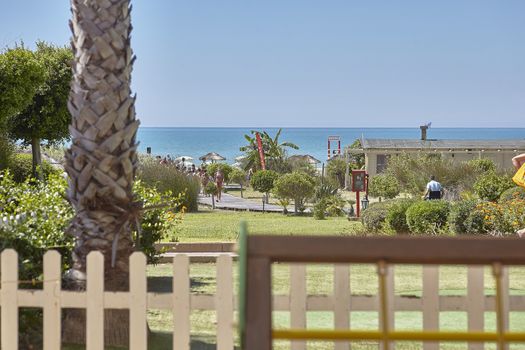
195,142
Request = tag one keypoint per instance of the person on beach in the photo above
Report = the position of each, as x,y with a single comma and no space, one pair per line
518,162
434,190
219,180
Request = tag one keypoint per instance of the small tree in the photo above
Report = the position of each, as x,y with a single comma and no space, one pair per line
357,159
263,181
490,186
21,75
297,186
239,177
47,117
336,170
383,186
226,169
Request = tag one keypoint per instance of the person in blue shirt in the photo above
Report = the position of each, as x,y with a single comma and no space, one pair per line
434,190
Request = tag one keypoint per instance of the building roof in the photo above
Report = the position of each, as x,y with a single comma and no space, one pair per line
444,144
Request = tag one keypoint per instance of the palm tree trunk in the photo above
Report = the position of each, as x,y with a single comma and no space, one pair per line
102,159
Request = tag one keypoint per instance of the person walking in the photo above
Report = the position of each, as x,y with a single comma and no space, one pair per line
434,190
219,181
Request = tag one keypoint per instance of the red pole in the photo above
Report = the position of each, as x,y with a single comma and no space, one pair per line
339,147
328,148
357,204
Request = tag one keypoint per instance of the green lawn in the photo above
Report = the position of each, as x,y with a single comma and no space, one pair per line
219,225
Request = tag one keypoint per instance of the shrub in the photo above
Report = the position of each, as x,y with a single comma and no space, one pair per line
21,166
482,165
6,151
211,189
460,218
239,177
502,218
263,180
324,190
374,217
396,216
167,178
157,222
335,205
320,209
383,186
297,186
511,194
490,186
413,171
336,170
427,216
226,169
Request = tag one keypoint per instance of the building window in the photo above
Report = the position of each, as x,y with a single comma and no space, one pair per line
382,161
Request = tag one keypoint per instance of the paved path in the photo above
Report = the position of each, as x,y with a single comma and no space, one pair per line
230,202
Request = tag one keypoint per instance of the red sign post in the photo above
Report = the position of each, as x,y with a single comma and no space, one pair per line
359,184
261,151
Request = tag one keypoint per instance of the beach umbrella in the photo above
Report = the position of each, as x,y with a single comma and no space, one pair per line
179,159
212,156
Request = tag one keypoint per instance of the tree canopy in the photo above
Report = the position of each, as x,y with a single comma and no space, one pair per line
21,75
46,117
274,150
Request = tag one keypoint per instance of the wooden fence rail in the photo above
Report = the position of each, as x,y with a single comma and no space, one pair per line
52,299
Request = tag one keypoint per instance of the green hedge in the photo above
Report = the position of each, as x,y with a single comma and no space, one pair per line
427,217
462,218
396,216
374,217
21,167
168,178
512,193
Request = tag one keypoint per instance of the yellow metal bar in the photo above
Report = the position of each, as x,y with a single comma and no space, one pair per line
383,299
500,325
397,335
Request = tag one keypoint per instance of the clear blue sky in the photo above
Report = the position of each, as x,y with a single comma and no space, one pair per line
345,63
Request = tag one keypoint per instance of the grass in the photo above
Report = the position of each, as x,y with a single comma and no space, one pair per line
218,225
453,281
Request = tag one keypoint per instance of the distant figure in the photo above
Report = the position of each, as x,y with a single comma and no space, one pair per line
204,181
249,175
434,189
219,180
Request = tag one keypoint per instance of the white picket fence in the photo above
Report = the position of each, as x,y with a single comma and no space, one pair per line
52,299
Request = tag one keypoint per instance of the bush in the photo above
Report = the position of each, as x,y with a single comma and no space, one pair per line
412,171
226,169
211,189
320,209
324,190
383,186
263,180
374,217
159,222
460,218
6,151
482,165
396,216
21,166
335,205
336,170
501,218
167,178
427,216
297,186
511,194
490,186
